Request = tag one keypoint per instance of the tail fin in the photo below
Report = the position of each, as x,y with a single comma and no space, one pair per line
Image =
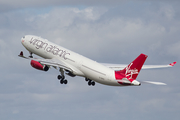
132,70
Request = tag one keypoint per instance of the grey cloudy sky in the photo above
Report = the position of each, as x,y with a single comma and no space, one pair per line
105,31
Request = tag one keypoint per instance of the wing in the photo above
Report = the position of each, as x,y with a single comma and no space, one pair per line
49,62
55,63
158,66
122,66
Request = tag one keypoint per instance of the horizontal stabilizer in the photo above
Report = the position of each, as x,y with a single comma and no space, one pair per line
155,83
124,81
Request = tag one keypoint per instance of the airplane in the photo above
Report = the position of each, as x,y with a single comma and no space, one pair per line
74,64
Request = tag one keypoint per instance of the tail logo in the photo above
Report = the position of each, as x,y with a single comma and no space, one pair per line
130,72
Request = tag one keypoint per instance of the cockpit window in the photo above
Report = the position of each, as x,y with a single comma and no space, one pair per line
23,36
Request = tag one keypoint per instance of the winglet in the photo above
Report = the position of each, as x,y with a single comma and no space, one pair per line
172,64
21,53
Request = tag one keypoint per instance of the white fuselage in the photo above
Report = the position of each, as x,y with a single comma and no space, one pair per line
80,65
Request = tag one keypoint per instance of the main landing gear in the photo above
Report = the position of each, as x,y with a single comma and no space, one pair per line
64,81
62,77
90,82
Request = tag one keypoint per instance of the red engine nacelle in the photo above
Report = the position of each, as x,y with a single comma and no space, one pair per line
37,65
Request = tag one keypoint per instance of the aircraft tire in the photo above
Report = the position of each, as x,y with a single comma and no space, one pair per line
89,83
93,83
86,79
59,77
65,81
61,81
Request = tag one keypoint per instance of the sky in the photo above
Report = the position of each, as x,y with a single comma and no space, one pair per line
115,31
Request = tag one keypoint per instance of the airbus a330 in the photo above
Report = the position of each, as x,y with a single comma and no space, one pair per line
74,64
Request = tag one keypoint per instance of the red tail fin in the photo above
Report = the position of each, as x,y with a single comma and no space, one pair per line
132,70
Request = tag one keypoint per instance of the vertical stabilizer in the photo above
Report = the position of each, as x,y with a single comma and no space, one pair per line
132,70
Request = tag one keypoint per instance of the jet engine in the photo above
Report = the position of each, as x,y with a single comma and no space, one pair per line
37,65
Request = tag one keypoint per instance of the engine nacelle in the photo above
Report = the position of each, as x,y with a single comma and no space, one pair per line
37,65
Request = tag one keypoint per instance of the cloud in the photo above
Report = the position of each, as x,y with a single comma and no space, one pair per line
173,49
7,5
106,34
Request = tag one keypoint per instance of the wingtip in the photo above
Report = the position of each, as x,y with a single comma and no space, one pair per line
21,54
172,64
